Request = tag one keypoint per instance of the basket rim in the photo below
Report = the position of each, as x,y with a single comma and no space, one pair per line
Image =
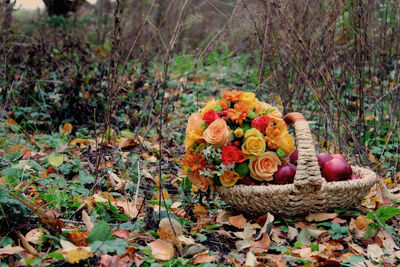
368,178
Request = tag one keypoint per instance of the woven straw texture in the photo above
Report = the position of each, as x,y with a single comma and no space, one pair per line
309,192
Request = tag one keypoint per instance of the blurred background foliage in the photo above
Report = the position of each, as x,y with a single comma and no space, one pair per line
335,61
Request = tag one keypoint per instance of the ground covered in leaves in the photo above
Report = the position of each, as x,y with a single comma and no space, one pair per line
121,199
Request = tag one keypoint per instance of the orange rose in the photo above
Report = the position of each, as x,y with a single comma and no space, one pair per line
229,178
218,133
193,130
271,111
199,180
264,166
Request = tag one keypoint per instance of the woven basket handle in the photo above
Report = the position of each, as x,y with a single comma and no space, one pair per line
308,175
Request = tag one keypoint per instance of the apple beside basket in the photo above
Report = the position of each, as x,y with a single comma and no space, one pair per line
309,193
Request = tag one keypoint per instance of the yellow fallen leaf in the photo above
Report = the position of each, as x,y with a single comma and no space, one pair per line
66,128
127,134
56,159
77,254
11,121
162,250
369,118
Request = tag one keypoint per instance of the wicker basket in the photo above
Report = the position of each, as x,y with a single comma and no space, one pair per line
309,192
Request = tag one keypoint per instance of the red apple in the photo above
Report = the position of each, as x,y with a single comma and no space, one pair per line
285,174
293,157
339,156
336,169
247,181
323,158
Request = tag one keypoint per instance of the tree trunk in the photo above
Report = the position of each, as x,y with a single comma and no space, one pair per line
6,9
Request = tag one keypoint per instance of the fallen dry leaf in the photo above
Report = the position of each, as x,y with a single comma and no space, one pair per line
204,258
121,233
387,241
34,235
9,250
251,259
171,225
247,235
356,249
322,216
79,239
87,221
362,222
199,211
262,245
292,233
222,217
111,261
238,221
374,252
162,250
128,207
26,245
127,143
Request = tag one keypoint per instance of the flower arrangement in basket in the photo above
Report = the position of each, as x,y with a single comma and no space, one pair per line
241,147
236,140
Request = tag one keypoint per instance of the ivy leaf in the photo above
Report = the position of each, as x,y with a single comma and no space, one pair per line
100,232
85,178
110,246
56,159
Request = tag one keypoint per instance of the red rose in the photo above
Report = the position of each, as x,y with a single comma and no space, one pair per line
210,116
231,154
260,123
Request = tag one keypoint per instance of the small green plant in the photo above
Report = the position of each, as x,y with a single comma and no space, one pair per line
380,218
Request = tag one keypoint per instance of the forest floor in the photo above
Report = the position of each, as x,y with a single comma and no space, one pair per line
122,199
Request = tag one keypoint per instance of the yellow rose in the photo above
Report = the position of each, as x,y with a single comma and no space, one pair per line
229,178
287,143
238,132
209,106
253,132
218,133
253,143
249,99
193,130
191,138
263,167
